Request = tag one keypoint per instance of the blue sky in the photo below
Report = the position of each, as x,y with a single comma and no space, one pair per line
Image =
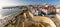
27,2
36,1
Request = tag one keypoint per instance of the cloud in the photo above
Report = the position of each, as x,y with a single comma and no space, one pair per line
8,3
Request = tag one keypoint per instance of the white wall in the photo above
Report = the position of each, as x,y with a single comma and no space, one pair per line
58,10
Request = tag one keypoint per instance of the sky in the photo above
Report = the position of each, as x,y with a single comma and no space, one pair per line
26,2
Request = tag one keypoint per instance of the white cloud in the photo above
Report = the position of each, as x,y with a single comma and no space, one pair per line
8,3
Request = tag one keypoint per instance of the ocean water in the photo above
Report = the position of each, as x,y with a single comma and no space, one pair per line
5,12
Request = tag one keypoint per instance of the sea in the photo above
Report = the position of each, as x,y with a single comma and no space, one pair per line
5,12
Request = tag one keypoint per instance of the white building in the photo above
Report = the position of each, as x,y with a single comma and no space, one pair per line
58,8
